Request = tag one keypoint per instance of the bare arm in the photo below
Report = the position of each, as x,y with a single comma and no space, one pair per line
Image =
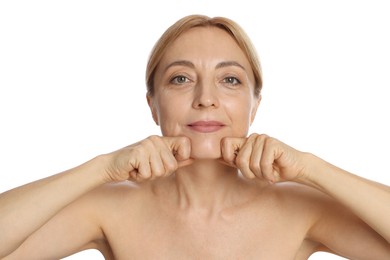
37,213
360,208
369,200
27,208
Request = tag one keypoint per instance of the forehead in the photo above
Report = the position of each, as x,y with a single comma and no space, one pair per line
205,45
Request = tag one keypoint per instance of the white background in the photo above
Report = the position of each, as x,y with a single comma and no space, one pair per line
72,79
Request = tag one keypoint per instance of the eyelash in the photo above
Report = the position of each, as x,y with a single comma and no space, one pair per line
236,81
175,79
178,80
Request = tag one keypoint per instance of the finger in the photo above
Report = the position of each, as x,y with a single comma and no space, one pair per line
230,147
156,165
180,147
267,161
133,170
144,171
257,152
169,162
243,160
185,162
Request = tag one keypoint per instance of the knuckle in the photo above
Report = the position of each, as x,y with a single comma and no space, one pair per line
253,136
158,172
241,162
153,138
252,176
255,167
170,167
230,159
136,153
249,175
262,137
267,173
184,140
144,175
184,147
146,143
270,140
265,170
224,141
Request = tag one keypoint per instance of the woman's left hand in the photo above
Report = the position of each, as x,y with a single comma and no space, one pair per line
264,157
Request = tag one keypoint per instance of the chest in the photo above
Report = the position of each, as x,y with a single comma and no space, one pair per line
244,235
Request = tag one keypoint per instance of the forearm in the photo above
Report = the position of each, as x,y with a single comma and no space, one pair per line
25,209
369,200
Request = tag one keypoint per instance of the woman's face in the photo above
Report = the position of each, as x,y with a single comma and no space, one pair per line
204,89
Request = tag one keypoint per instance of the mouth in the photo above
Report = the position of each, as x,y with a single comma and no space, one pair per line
206,126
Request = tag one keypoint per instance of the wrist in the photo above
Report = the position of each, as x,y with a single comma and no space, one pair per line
94,170
313,169
101,162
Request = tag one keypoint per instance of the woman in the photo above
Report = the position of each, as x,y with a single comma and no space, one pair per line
203,189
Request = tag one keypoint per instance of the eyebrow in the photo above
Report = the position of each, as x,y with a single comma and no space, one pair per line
185,63
189,64
228,64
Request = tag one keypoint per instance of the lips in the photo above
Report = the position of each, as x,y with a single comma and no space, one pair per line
206,126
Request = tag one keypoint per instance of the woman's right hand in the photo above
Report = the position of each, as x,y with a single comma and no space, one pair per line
152,157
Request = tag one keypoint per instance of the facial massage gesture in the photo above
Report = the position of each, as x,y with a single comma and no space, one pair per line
204,185
258,156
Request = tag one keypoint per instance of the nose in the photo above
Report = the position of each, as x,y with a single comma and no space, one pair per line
205,96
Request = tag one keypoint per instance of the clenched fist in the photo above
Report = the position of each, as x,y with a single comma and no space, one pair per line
152,157
264,157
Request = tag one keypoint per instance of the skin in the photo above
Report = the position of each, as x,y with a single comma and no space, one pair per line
196,193
207,83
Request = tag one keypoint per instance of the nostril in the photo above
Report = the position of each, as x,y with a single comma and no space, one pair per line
205,97
205,103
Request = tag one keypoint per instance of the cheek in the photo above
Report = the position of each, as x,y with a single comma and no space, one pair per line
169,118
240,116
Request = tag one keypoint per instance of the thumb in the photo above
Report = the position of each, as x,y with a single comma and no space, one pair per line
185,162
230,147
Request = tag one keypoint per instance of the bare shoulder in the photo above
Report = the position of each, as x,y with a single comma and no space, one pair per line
298,197
297,209
122,201
326,217
306,203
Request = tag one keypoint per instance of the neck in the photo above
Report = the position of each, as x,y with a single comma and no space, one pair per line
206,185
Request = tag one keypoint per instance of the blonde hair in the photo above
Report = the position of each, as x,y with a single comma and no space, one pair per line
191,21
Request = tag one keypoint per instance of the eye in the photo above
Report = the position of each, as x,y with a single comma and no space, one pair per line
232,81
179,80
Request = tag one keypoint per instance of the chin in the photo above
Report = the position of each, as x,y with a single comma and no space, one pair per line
205,149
